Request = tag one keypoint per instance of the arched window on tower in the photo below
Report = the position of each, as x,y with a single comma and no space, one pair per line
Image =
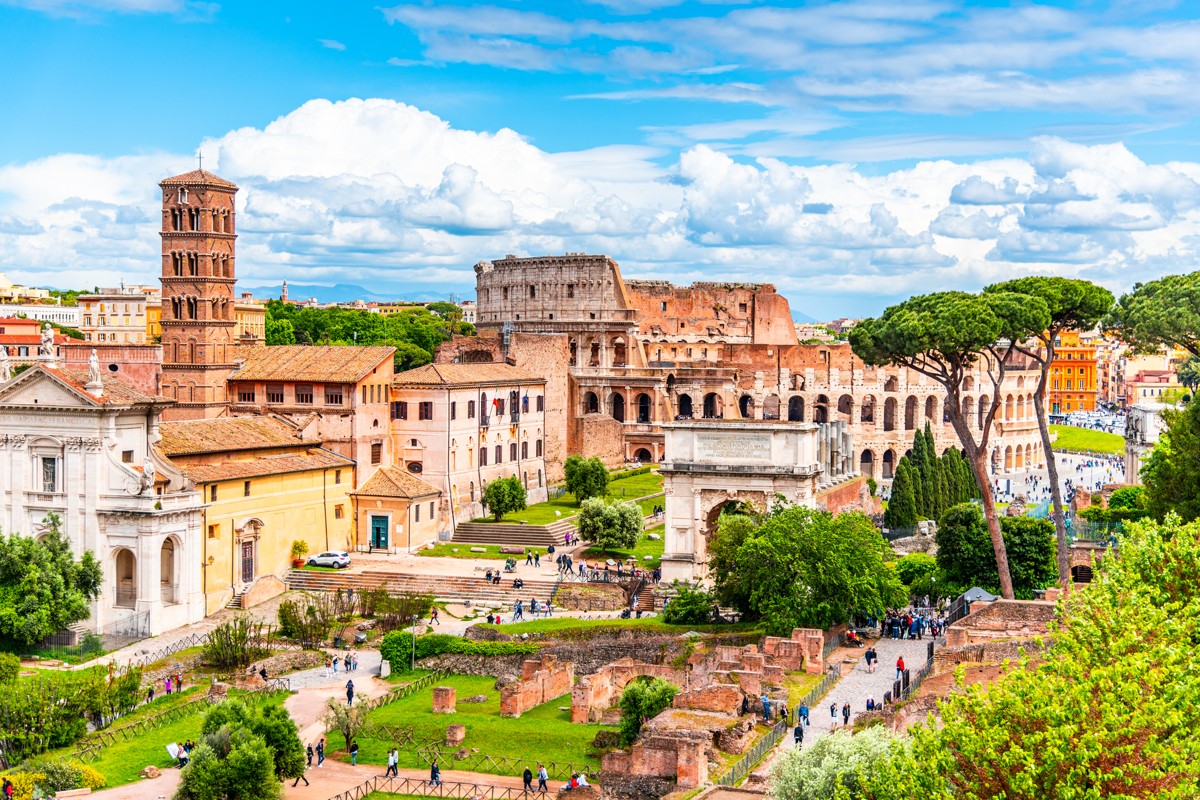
183,196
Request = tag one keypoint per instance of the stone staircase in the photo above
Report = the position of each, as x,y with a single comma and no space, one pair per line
447,588
505,533
235,602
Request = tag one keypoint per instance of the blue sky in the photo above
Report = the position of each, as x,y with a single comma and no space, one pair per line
853,153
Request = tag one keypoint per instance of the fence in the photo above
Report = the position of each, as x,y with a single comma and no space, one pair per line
503,765
739,770
74,644
422,788
817,692
958,609
401,692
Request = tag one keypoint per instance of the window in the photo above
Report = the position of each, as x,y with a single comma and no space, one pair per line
470,409
512,452
539,476
532,292
377,453
453,410
337,476
183,196
245,488
570,290
304,394
274,393
541,403
339,511
425,410
499,454
742,308
212,493
212,531
663,306
246,395
49,474
538,449
333,395
504,293
126,456
482,458
499,403
418,510
431,509
524,449
364,394
400,409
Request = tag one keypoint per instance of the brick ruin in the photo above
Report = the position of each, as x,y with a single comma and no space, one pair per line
596,693
1001,620
542,680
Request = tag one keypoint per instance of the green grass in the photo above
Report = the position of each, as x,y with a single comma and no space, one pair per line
311,568
544,733
644,547
447,549
1072,438
655,624
635,486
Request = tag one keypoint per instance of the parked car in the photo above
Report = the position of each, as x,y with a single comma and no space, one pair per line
338,559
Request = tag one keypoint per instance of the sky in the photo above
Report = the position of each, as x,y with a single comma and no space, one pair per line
852,153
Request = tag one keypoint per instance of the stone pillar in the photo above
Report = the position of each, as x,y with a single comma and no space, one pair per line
444,699
691,765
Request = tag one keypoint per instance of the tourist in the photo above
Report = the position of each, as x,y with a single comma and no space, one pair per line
899,667
262,673
833,709
336,659
8,789
766,707
549,610
301,777
543,776
491,618
487,576
167,683
320,752
799,732
527,776
528,557
803,714
433,617
582,778
870,658
582,568
870,703
393,768
783,710
533,607
435,774
350,692
150,694
537,558
745,704
846,713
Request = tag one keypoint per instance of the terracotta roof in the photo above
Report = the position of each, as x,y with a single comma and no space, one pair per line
197,177
465,375
33,338
116,391
325,364
228,434
393,482
268,465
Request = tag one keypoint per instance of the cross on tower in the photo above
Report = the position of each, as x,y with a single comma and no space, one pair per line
200,158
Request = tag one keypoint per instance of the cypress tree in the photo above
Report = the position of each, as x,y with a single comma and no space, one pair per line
918,491
902,507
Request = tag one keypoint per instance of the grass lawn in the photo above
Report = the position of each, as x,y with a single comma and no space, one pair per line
544,733
565,624
644,547
447,550
311,568
566,506
799,684
1072,438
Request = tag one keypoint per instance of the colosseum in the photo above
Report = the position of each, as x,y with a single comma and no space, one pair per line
640,353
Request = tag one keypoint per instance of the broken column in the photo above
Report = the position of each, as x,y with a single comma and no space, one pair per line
444,699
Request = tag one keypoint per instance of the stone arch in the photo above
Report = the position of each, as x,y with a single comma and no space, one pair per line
866,412
1019,457
889,464
910,413
126,577
591,403
968,384
1020,406
984,404
996,460
685,406
617,404
746,406
643,455
796,408
644,408
168,569
1008,458
714,406
1009,407
1081,573
618,351
1029,456
931,409
845,407
572,353
1020,381
968,409
771,407
716,501
866,463
821,409
892,384
889,414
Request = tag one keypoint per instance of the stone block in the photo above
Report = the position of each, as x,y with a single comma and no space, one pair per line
750,682
385,668
478,549
444,699
721,697
455,734
754,662
691,765
772,675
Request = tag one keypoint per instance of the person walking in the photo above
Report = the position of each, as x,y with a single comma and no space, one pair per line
350,692
528,557
766,707
354,753
393,769
846,713
328,663
804,714
543,776
435,774
899,667
833,711
537,558
433,617
335,665
150,694
320,753
870,658
799,732
527,777
308,751
301,776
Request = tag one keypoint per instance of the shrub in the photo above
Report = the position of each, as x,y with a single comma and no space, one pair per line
91,778
397,647
237,643
873,486
835,766
643,699
690,606
10,667
628,473
24,783
57,775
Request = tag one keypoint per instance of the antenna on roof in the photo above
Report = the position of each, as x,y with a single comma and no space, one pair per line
200,159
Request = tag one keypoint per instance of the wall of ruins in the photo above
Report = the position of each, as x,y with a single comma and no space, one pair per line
945,659
731,312
1001,619
542,680
596,693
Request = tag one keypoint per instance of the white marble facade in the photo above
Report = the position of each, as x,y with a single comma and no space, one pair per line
81,446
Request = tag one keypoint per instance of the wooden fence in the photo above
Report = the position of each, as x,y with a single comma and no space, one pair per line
499,765
423,788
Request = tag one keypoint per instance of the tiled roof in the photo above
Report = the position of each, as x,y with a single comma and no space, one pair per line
393,482
116,391
325,364
269,465
227,434
197,177
444,375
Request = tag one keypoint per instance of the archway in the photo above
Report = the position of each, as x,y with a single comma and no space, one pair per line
771,407
995,460
591,403
618,349
685,406
125,564
889,463
1008,458
643,406
618,407
746,406
643,455
713,407
594,357
845,407
1009,406
796,409
910,413
821,409
889,414
931,408
1021,407
866,464
968,409
867,412
166,571
573,353
984,405
1081,574
892,384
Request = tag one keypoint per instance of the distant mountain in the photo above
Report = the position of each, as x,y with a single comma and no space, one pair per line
338,293
800,316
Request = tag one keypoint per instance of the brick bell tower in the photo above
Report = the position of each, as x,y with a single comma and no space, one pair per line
198,279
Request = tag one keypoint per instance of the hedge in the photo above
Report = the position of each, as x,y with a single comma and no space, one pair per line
397,647
628,473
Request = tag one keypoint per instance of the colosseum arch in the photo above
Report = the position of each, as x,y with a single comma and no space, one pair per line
771,407
931,409
866,412
644,408
591,403
892,384
685,406
910,413
714,406
796,409
889,414
746,406
866,463
889,464
821,409
617,404
968,409
845,407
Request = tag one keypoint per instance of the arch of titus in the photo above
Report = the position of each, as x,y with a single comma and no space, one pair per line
710,464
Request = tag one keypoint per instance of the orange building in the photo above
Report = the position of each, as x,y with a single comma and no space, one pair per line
1073,374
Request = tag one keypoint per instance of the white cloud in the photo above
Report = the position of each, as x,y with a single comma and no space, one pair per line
196,9
332,44
388,196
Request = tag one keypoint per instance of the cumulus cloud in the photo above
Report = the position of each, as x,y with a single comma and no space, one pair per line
389,196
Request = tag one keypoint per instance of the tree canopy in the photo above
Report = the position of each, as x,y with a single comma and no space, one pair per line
1171,473
1165,312
585,477
504,496
800,568
943,336
610,525
43,588
964,555
926,484
643,699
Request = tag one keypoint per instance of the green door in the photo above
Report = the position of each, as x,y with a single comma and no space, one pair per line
379,532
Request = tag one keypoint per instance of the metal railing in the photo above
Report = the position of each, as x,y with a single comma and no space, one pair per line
423,788
747,762
820,690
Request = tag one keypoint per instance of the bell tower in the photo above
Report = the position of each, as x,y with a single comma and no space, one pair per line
198,278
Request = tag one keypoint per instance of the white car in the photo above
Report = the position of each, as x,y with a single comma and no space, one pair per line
338,559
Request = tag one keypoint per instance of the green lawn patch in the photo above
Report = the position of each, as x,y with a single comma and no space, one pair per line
566,625
312,568
448,550
1072,438
545,733
566,506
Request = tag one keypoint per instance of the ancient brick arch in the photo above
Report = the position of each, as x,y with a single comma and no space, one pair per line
595,693
714,501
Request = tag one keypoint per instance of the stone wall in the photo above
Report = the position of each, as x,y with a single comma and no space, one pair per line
603,437
597,692
1001,619
947,658
542,680
590,597
850,495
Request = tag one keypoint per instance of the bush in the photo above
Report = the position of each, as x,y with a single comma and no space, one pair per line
504,496
237,643
610,525
643,699
873,486
397,648
585,477
24,783
628,473
91,778
57,775
835,766
690,606
10,667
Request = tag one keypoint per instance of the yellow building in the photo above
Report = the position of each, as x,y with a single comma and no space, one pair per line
154,322
264,487
396,512
1073,374
115,316
251,320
